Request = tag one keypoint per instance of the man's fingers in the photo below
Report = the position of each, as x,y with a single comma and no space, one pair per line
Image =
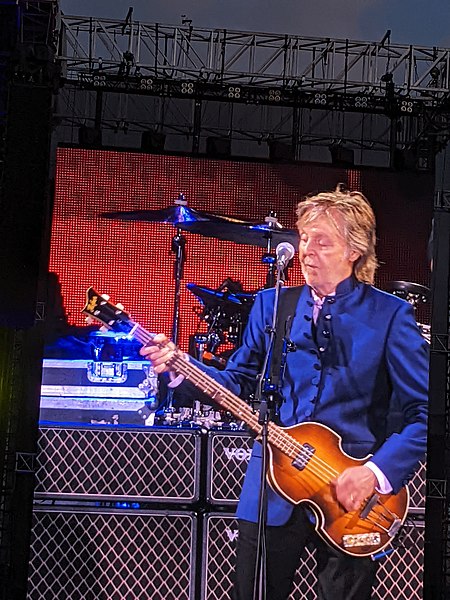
159,351
353,486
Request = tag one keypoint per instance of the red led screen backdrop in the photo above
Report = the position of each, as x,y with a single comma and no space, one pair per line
132,260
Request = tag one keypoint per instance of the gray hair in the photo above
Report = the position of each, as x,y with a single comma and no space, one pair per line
353,217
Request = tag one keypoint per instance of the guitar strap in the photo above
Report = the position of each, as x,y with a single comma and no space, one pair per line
288,301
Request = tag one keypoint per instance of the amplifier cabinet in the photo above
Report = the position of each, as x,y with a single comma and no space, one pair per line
100,554
116,463
399,575
417,490
227,460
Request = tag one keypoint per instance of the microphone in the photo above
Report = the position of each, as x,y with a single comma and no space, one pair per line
284,251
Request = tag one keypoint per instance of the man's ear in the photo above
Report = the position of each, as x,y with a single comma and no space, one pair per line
353,255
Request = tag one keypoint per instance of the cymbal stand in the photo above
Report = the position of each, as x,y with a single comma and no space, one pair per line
268,258
179,249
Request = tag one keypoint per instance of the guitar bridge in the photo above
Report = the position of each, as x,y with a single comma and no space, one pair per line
303,458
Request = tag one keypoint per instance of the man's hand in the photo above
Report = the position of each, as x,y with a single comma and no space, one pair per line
157,354
353,486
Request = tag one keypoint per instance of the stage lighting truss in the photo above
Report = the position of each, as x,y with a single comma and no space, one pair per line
238,59
386,81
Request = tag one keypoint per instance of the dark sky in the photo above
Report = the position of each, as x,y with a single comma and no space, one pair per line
418,22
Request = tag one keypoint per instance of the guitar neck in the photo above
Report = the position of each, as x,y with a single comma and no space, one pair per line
223,397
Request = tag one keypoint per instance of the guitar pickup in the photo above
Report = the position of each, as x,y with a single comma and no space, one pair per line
303,458
359,540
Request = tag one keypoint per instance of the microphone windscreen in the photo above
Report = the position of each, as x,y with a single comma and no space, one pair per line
285,251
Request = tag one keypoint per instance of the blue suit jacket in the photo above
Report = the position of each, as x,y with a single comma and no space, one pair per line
366,350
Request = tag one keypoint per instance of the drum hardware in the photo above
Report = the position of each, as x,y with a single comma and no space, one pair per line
207,344
177,215
270,229
416,294
181,217
225,314
267,235
216,361
226,309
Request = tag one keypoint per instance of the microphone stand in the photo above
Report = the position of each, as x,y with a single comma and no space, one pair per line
267,394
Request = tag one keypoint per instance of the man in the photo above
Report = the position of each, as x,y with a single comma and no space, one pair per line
355,347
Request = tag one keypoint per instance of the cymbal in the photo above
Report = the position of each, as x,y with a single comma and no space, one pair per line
174,215
280,234
242,232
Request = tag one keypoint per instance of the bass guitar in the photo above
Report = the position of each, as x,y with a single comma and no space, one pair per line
303,459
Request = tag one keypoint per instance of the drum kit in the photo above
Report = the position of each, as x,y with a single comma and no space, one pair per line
225,310
185,219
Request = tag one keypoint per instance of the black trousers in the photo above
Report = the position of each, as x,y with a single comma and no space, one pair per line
339,576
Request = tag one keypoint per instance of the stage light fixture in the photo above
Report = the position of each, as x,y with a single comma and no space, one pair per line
99,80
361,102
320,99
234,92
187,88
146,83
274,95
407,106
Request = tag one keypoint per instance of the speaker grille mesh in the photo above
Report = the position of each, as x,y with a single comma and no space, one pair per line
228,456
112,555
417,489
134,464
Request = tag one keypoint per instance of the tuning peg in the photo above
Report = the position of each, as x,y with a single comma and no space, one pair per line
105,296
120,306
89,321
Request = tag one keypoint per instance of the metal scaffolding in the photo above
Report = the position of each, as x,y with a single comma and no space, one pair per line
296,90
243,58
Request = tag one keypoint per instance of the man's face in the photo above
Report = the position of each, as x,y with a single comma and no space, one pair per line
325,257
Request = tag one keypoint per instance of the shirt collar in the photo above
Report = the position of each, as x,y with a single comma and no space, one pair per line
344,287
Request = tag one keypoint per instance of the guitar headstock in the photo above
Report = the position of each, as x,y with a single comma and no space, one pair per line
112,316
